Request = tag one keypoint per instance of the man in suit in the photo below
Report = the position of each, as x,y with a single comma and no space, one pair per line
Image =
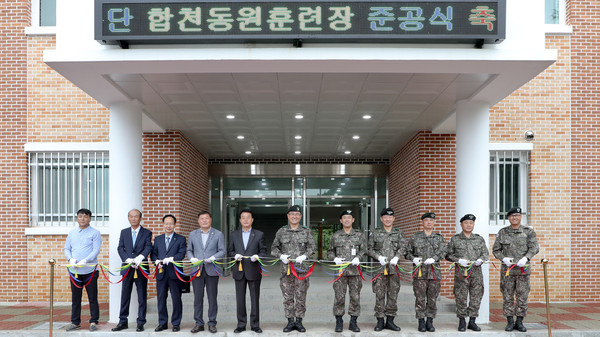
167,248
206,244
243,243
135,244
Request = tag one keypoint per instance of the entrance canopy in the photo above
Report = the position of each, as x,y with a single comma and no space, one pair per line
330,100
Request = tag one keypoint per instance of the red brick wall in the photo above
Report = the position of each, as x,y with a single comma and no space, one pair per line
585,128
13,166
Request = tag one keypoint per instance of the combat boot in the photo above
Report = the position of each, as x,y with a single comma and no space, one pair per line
510,323
339,324
462,324
299,325
389,324
353,326
380,324
422,325
429,325
519,324
290,326
472,325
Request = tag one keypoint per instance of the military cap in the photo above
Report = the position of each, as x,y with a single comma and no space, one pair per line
346,212
467,217
513,211
294,208
387,211
428,215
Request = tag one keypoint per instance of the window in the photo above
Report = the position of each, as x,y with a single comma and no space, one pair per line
43,13
555,12
63,182
509,184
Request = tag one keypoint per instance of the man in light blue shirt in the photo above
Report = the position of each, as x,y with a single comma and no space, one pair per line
81,250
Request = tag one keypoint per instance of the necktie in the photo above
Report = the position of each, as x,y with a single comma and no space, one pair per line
133,236
168,241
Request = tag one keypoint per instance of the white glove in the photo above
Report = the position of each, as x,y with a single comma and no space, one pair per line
417,260
522,262
194,260
300,258
81,262
138,259
158,262
254,258
238,257
382,260
211,259
478,262
508,261
463,262
355,261
429,261
72,262
129,261
394,261
284,258
338,260
167,260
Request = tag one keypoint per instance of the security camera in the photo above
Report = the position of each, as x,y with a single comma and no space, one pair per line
529,136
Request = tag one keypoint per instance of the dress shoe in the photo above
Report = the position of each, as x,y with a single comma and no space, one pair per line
140,328
212,329
176,328
161,328
197,328
120,326
257,330
238,330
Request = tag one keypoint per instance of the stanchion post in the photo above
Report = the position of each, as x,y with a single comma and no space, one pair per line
545,264
52,262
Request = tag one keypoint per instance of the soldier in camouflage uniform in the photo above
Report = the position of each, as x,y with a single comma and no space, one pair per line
426,249
347,244
296,242
466,248
515,243
387,245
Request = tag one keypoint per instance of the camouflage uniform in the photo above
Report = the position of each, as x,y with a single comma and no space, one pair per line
293,242
515,243
388,244
342,245
427,286
465,284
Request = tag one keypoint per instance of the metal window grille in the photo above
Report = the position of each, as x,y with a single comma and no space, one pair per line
509,184
60,183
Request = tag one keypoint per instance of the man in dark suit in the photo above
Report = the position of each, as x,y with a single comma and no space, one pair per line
206,244
167,248
135,244
244,243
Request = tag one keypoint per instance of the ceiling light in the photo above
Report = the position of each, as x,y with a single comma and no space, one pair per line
299,116
356,137
248,152
347,152
298,137
230,116
297,152
240,137
367,117
343,184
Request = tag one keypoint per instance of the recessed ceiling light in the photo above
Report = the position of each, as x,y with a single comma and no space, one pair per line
347,152
367,117
240,137
297,152
343,184
248,152
230,116
356,137
299,116
298,137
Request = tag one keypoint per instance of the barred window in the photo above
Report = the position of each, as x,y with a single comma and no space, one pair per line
60,183
509,184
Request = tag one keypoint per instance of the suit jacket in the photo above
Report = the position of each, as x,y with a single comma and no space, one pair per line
256,245
215,246
143,245
176,250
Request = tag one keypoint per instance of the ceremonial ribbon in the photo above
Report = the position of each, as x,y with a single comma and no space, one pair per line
361,275
109,281
73,280
301,278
